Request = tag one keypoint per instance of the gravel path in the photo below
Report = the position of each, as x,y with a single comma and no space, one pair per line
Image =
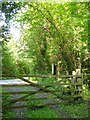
20,113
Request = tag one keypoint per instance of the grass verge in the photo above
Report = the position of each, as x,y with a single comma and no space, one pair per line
78,110
42,113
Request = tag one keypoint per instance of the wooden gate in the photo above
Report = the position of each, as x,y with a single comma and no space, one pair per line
65,89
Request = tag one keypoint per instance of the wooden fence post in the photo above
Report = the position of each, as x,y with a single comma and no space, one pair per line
58,70
53,69
79,80
73,80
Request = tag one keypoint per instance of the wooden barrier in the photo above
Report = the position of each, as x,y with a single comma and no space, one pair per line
45,89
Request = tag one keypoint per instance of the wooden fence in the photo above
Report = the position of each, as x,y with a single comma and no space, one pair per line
71,90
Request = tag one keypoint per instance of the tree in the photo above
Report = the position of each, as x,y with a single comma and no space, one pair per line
8,65
8,10
63,32
51,33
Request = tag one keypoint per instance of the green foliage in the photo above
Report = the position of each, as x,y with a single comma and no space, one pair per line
8,115
8,10
8,66
51,33
76,110
42,113
6,102
86,92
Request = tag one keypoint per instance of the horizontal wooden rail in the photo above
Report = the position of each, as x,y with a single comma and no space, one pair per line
71,90
46,85
26,92
30,107
43,76
15,85
44,98
70,96
86,74
63,96
20,92
58,84
25,96
39,105
41,98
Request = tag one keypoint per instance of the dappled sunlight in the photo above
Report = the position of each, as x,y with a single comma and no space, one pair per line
30,79
12,82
